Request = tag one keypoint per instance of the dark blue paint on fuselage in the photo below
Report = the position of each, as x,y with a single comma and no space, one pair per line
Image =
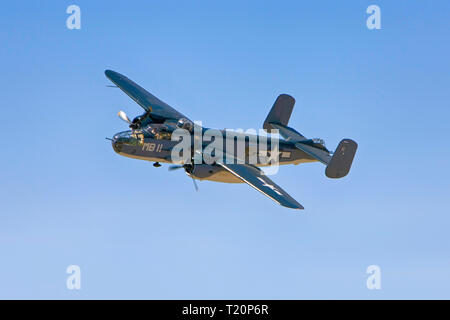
138,144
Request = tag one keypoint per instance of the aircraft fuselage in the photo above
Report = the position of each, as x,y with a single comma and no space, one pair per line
138,144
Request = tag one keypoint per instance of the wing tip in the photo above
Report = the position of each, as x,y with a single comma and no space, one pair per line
296,206
110,74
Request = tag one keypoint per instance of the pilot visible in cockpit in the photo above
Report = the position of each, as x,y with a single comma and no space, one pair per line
159,131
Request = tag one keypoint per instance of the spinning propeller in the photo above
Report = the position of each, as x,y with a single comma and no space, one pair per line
135,124
122,115
188,168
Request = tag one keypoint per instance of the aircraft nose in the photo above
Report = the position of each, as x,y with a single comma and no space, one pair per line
115,144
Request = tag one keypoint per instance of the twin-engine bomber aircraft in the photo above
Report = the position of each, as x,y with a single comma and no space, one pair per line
150,139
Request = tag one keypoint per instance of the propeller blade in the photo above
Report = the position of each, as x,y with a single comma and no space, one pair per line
122,115
185,167
172,168
195,184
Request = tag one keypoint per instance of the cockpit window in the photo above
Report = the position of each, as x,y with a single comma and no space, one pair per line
186,124
138,135
134,137
149,131
164,135
158,131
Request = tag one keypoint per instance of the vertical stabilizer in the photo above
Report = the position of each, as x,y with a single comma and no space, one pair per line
281,111
342,159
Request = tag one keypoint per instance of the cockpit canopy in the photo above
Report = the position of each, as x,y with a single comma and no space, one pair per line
154,131
130,137
186,124
157,131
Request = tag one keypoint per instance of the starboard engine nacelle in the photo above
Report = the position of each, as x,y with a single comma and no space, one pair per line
210,172
202,171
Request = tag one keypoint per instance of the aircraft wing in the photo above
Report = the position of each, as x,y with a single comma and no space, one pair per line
145,99
256,178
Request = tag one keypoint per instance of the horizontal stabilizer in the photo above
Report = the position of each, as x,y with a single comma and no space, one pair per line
288,133
281,111
292,135
316,153
342,159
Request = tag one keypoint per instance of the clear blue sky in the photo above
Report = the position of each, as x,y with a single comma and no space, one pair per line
141,232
